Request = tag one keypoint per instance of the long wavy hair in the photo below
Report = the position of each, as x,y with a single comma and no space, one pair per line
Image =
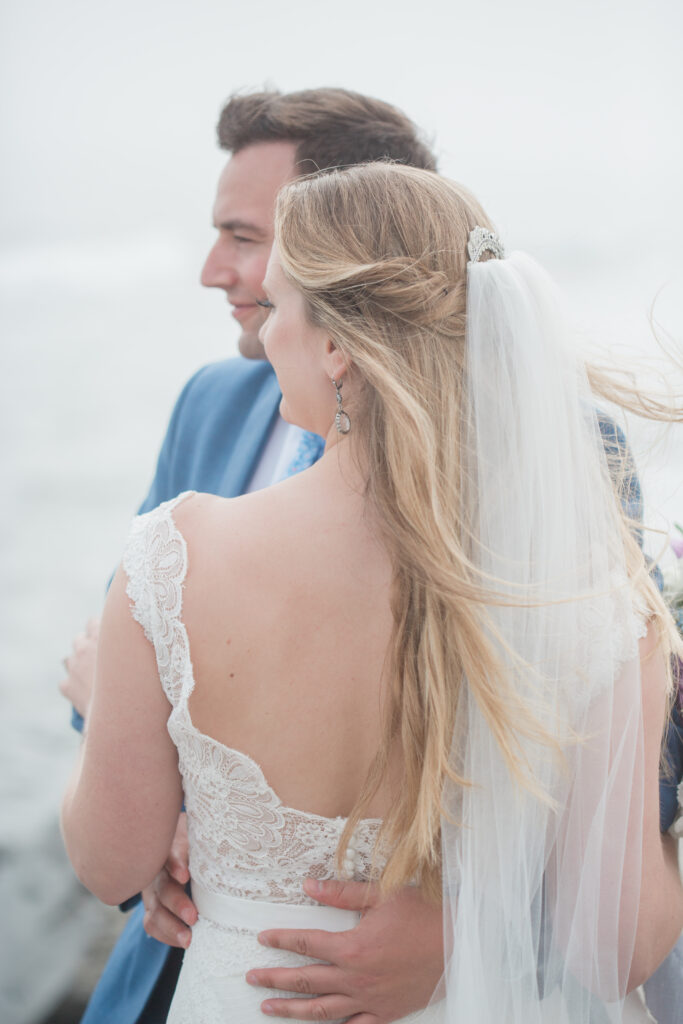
380,254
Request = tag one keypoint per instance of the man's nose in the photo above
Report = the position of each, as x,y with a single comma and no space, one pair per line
218,271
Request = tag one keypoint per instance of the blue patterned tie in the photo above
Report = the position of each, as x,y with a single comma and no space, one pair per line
308,451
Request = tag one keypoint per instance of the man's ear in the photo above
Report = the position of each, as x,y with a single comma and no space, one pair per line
335,363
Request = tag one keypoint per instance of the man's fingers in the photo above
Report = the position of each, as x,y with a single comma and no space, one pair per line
322,1008
177,864
178,868
166,892
313,979
80,670
359,896
70,689
309,942
173,897
164,926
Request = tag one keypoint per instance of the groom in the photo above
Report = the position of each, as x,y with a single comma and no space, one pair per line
226,437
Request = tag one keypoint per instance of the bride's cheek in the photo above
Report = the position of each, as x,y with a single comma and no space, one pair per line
265,338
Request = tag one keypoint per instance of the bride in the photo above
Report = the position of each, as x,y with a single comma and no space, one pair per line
434,658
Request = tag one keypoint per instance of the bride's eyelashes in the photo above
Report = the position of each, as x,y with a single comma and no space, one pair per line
265,304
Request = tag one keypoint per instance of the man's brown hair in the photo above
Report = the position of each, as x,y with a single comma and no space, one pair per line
331,128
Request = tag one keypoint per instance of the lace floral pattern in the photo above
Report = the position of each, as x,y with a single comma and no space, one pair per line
155,561
243,841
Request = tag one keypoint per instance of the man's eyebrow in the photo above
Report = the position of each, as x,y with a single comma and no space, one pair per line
241,225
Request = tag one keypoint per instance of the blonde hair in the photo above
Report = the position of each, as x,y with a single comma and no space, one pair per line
380,255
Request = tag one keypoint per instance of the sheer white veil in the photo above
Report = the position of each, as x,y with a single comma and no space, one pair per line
541,869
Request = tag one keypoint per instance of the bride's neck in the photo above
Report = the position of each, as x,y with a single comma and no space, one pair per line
345,463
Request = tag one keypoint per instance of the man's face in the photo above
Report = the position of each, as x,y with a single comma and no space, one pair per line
243,216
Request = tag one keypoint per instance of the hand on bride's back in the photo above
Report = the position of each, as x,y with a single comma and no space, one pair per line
385,968
168,908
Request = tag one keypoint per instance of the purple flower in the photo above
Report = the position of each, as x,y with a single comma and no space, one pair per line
677,546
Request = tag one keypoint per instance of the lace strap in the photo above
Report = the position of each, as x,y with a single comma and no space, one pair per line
155,561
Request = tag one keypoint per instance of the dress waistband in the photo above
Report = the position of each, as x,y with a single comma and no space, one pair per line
259,915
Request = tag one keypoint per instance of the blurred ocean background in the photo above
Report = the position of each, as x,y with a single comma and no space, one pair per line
563,118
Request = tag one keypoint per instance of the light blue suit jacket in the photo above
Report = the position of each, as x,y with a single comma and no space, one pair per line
217,432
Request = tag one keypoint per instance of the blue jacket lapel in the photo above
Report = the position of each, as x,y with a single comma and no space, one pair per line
252,439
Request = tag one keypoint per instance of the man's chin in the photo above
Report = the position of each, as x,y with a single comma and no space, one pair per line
250,347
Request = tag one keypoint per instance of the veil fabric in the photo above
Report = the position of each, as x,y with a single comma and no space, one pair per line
541,868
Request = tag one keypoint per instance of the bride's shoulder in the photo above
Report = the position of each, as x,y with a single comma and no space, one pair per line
196,510
212,523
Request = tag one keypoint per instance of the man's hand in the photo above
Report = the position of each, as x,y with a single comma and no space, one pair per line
385,968
80,668
168,908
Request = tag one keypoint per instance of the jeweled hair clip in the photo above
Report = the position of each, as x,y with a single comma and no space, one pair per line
482,240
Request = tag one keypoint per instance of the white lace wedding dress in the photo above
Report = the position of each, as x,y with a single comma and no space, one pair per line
249,854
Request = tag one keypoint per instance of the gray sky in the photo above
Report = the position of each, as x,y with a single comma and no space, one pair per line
565,118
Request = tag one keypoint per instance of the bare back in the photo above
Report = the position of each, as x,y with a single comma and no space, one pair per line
286,606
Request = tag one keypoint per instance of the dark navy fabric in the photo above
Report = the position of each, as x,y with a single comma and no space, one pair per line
673,769
622,466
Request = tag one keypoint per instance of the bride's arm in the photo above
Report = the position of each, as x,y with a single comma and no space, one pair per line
613,893
660,917
122,804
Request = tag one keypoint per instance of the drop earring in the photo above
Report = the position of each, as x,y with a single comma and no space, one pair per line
341,418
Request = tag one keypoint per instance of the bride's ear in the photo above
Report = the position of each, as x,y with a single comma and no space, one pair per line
335,362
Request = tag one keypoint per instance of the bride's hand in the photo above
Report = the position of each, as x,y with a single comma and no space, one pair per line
168,908
385,968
